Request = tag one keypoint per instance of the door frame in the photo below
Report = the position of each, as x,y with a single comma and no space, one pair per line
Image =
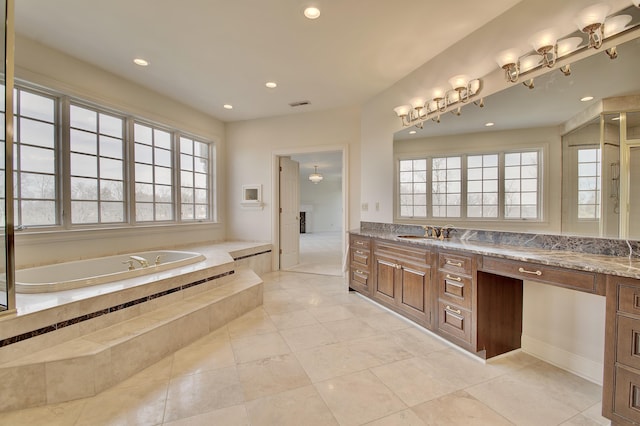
275,196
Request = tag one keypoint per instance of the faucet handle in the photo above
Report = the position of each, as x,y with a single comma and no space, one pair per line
130,263
157,261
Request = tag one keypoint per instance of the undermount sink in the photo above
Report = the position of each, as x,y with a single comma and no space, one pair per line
412,236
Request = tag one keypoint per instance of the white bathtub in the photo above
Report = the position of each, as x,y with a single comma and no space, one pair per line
84,273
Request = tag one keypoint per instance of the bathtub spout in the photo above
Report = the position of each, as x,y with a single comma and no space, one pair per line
141,260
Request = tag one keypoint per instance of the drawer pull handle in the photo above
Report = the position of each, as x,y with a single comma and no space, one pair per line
359,252
449,277
524,271
359,272
360,243
458,264
455,311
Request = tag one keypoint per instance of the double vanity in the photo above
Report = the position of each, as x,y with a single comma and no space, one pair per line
468,289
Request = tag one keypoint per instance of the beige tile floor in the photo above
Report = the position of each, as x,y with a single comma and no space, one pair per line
315,354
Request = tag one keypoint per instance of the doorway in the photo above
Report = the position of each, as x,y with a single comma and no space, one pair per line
324,208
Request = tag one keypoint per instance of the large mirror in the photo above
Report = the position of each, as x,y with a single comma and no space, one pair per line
599,139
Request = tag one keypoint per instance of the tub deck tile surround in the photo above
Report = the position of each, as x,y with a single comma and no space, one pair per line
92,328
91,363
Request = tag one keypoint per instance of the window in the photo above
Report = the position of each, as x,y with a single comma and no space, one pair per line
446,186
589,183
153,156
97,166
35,159
194,179
521,185
497,186
102,167
413,188
482,186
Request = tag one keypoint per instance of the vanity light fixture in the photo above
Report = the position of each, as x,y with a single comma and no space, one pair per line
591,21
315,177
548,47
463,89
545,43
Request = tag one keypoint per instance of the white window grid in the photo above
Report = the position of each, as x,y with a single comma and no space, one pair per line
194,179
97,166
35,160
589,183
44,168
487,194
413,188
153,170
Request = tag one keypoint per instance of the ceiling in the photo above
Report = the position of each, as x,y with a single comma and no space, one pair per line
329,164
206,53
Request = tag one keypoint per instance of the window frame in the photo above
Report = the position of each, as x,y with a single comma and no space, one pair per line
62,152
542,150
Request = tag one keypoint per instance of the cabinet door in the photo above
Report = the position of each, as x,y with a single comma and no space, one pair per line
414,295
385,270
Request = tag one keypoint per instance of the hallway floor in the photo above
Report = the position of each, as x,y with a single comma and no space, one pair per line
315,354
320,253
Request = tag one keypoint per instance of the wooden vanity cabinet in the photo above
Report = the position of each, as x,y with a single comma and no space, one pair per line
402,280
456,282
621,385
360,264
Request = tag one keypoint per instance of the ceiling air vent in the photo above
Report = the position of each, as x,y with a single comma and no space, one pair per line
299,103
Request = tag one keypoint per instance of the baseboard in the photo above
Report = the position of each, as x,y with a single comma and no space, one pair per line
576,364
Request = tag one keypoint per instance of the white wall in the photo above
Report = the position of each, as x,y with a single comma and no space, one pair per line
52,69
252,145
325,202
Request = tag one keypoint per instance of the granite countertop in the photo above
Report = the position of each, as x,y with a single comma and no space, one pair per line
603,264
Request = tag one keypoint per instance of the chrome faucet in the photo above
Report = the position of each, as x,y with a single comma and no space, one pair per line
141,260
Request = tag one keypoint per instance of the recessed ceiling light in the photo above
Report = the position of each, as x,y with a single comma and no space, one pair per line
271,84
489,124
312,12
413,132
586,99
141,62
227,106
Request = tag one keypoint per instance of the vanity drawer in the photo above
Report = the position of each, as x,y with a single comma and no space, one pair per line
629,298
360,277
454,321
455,288
360,242
627,394
576,280
458,263
402,252
628,344
361,257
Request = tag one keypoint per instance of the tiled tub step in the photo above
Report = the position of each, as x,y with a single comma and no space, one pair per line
89,364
